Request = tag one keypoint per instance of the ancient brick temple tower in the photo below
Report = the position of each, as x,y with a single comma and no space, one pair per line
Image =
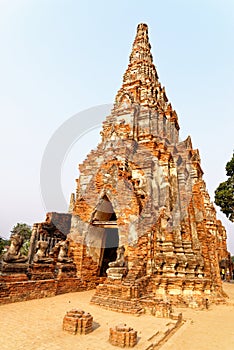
141,226
142,191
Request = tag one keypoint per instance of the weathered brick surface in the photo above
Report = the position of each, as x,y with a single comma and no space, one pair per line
12,291
146,185
42,271
77,322
153,183
123,336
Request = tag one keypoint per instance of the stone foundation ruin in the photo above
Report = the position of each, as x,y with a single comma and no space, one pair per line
141,226
123,336
78,322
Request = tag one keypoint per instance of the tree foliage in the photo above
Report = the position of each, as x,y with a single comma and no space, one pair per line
3,243
23,230
224,194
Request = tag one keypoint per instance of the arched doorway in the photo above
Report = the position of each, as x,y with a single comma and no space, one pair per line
110,245
105,217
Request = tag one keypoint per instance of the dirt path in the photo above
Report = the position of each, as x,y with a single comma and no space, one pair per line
37,325
206,330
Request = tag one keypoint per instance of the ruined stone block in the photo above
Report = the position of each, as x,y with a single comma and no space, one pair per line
77,322
123,336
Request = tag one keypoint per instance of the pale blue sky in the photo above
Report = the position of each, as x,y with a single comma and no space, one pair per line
59,57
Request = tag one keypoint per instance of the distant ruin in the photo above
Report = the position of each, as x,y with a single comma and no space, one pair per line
141,226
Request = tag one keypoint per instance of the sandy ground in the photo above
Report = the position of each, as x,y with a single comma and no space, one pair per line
37,325
206,330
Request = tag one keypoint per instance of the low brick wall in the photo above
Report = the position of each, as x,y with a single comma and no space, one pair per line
12,290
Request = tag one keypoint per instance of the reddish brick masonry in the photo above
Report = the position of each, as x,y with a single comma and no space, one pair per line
77,322
141,225
123,336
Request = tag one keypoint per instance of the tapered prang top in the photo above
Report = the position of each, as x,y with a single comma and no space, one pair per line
140,81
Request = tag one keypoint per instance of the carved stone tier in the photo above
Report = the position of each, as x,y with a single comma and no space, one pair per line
13,268
65,270
116,273
115,296
42,271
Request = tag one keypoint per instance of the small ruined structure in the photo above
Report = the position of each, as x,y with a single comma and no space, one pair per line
48,269
77,322
141,226
123,336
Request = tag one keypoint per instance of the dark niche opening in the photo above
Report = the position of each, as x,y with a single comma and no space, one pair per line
110,245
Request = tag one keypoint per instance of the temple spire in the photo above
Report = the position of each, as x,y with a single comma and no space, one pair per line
141,46
140,81
142,91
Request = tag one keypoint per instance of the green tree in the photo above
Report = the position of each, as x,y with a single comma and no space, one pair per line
24,231
224,194
3,243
